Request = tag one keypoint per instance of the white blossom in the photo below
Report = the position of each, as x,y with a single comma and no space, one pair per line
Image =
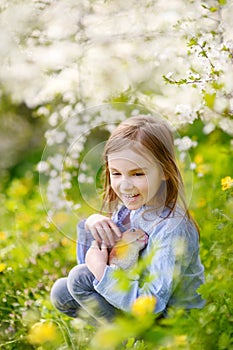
43,111
208,128
55,136
90,180
56,161
53,173
77,206
185,143
193,165
82,178
185,114
226,125
66,185
42,166
53,119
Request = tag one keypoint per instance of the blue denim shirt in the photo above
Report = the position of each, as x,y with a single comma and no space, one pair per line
175,268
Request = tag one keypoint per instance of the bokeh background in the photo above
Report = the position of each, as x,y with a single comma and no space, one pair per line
69,73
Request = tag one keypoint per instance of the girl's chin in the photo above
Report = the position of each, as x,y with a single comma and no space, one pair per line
139,204
134,203
132,206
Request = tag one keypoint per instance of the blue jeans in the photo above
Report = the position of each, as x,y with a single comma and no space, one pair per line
75,294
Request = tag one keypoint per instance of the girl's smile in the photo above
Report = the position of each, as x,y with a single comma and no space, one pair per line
135,179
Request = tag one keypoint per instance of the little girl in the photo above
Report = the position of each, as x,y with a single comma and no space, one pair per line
143,189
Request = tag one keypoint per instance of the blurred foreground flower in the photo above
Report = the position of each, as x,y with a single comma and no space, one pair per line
181,340
226,182
42,332
143,305
121,249
108,337
2,267
2,236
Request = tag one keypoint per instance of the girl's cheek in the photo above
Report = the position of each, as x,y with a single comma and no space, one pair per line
114,185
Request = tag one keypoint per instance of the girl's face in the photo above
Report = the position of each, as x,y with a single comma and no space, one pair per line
135,179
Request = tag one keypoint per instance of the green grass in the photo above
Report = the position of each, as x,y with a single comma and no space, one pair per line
34,253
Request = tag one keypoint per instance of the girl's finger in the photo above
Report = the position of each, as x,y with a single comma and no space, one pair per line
109,233
103,246
115,229
94,244
104,237
95,235
104,251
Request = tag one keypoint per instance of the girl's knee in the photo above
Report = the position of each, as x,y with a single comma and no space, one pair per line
76,274
62,300
79,277
78,270
59,291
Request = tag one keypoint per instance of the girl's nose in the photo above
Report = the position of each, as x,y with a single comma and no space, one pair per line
126,185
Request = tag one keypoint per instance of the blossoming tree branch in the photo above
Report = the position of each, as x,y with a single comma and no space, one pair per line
79,64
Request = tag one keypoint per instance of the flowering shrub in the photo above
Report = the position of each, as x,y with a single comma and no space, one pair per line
175,60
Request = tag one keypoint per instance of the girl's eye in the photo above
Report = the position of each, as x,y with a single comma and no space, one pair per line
139,174
115,174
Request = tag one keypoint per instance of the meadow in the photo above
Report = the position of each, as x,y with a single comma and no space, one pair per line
69,72
34,253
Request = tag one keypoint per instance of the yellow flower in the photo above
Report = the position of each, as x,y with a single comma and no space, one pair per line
65,241
202,169
19,188
143,305
201,203
181,340
226,182
2,236
42,332
198,159
2,267
44,237
70,245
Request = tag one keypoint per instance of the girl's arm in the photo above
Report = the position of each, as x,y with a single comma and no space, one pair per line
84,241
96,259
176,253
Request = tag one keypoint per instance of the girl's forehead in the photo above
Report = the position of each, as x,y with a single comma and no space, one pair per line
136,157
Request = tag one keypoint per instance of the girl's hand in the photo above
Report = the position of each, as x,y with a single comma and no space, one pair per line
103,229
96,259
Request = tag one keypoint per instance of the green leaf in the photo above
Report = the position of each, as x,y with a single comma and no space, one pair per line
213,9
224,341
130,343
222,2
217,86
210,100
192,42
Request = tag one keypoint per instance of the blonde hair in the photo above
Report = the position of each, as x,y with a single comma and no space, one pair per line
154,135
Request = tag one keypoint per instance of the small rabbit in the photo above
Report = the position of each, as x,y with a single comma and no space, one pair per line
126,251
